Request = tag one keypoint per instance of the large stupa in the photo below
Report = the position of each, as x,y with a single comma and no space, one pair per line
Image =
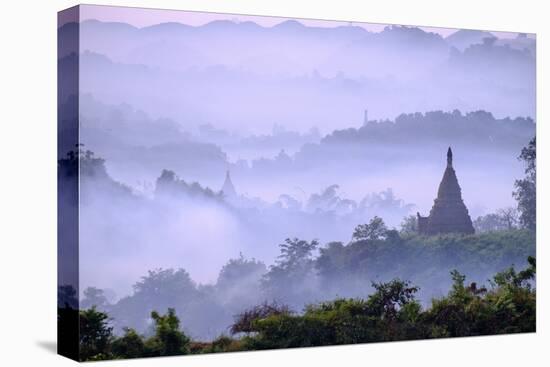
449,213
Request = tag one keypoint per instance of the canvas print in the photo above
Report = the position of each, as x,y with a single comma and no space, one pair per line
236,182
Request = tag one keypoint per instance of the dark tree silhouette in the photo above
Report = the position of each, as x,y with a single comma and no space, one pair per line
95,334
376,229
526,193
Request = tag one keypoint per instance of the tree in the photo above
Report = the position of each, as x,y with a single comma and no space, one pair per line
503,220
130,345
238,283
159,289
94,297
389,297
509,217
409,225
244,321
376,229
162,286
291,279
240,270
522,279
295,252
168,339
526,193
95,335
488,223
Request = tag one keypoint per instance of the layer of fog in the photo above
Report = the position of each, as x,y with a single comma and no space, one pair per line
124,234
369,159
241,77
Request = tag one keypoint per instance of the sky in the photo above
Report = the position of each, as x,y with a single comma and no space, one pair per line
143,17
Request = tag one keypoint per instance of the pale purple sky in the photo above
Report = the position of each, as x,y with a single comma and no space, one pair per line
143,17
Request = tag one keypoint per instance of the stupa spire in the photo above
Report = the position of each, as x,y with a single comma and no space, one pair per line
228,188
449,157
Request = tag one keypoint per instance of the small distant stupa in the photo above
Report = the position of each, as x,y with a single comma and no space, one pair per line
228,189
449,213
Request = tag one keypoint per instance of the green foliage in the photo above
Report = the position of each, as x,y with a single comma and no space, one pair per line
509,278
510,306
423,260
392,313
390,297
98,343
159,290
95,335
221,344
130,345
243,321
168,339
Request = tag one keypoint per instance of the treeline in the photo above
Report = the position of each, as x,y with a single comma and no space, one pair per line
478,128
306,272
392,312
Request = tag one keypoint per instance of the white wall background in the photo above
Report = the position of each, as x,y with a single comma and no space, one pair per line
28,184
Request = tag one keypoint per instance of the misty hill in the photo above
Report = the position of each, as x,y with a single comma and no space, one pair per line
169,186
415,139
248,45
464,38
493,61
304,76
479,129
521,42
199,97
138,146
418,138
371,158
